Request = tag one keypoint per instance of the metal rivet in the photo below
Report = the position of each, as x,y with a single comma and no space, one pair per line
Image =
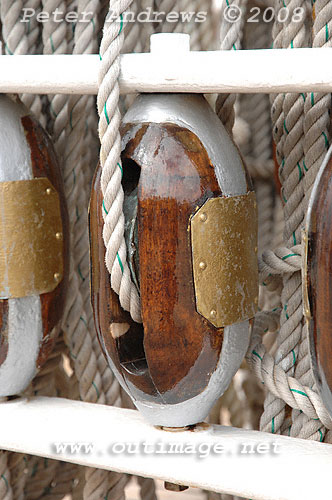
255,204
48,191
256,249
203,217
202,265
256,300
58,236
213,314
57,276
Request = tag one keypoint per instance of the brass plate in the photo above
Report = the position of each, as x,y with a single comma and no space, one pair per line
224,249
31,251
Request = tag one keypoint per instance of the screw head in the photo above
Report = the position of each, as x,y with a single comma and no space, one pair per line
202,265
58,236
48,191
213,314
203,217
57,276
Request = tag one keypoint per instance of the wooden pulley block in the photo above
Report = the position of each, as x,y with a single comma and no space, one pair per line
34,247
191,236
317,279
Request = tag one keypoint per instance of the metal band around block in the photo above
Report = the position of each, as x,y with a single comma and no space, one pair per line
224,252
31,251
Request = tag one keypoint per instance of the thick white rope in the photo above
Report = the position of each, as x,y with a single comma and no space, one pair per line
290,148
108,99
279,261
274,377
6,492
230,39
317,138
96,480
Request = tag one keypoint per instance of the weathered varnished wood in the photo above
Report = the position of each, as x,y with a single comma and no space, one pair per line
126,352
175,156
174,357
319,273
181,347
45,164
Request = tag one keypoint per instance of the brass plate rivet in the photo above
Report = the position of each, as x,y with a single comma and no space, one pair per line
256,300
202,265
58,236
213,314
256,249
203,217
48,191
57,276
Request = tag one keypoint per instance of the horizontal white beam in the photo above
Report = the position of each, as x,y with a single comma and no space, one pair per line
246,71
245,463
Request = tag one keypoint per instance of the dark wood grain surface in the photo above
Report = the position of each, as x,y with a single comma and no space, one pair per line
173,358
320,285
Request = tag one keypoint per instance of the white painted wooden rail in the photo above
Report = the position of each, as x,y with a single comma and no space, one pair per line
249,71
246,463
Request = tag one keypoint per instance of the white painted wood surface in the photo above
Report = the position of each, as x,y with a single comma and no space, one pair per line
249,71
281,468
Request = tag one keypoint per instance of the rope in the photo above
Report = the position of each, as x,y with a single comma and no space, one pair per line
202,34
41,472
235,408
146,29
147,488
230,39
6,492
317,139
108,99
17,464
68,473
317,105
290,148
279,261
166,6
274,377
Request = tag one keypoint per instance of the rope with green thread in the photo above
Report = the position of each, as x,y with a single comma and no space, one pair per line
108,98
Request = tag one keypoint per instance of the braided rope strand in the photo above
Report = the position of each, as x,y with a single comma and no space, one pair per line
274,377
6,492
291,149
230,39
108,99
